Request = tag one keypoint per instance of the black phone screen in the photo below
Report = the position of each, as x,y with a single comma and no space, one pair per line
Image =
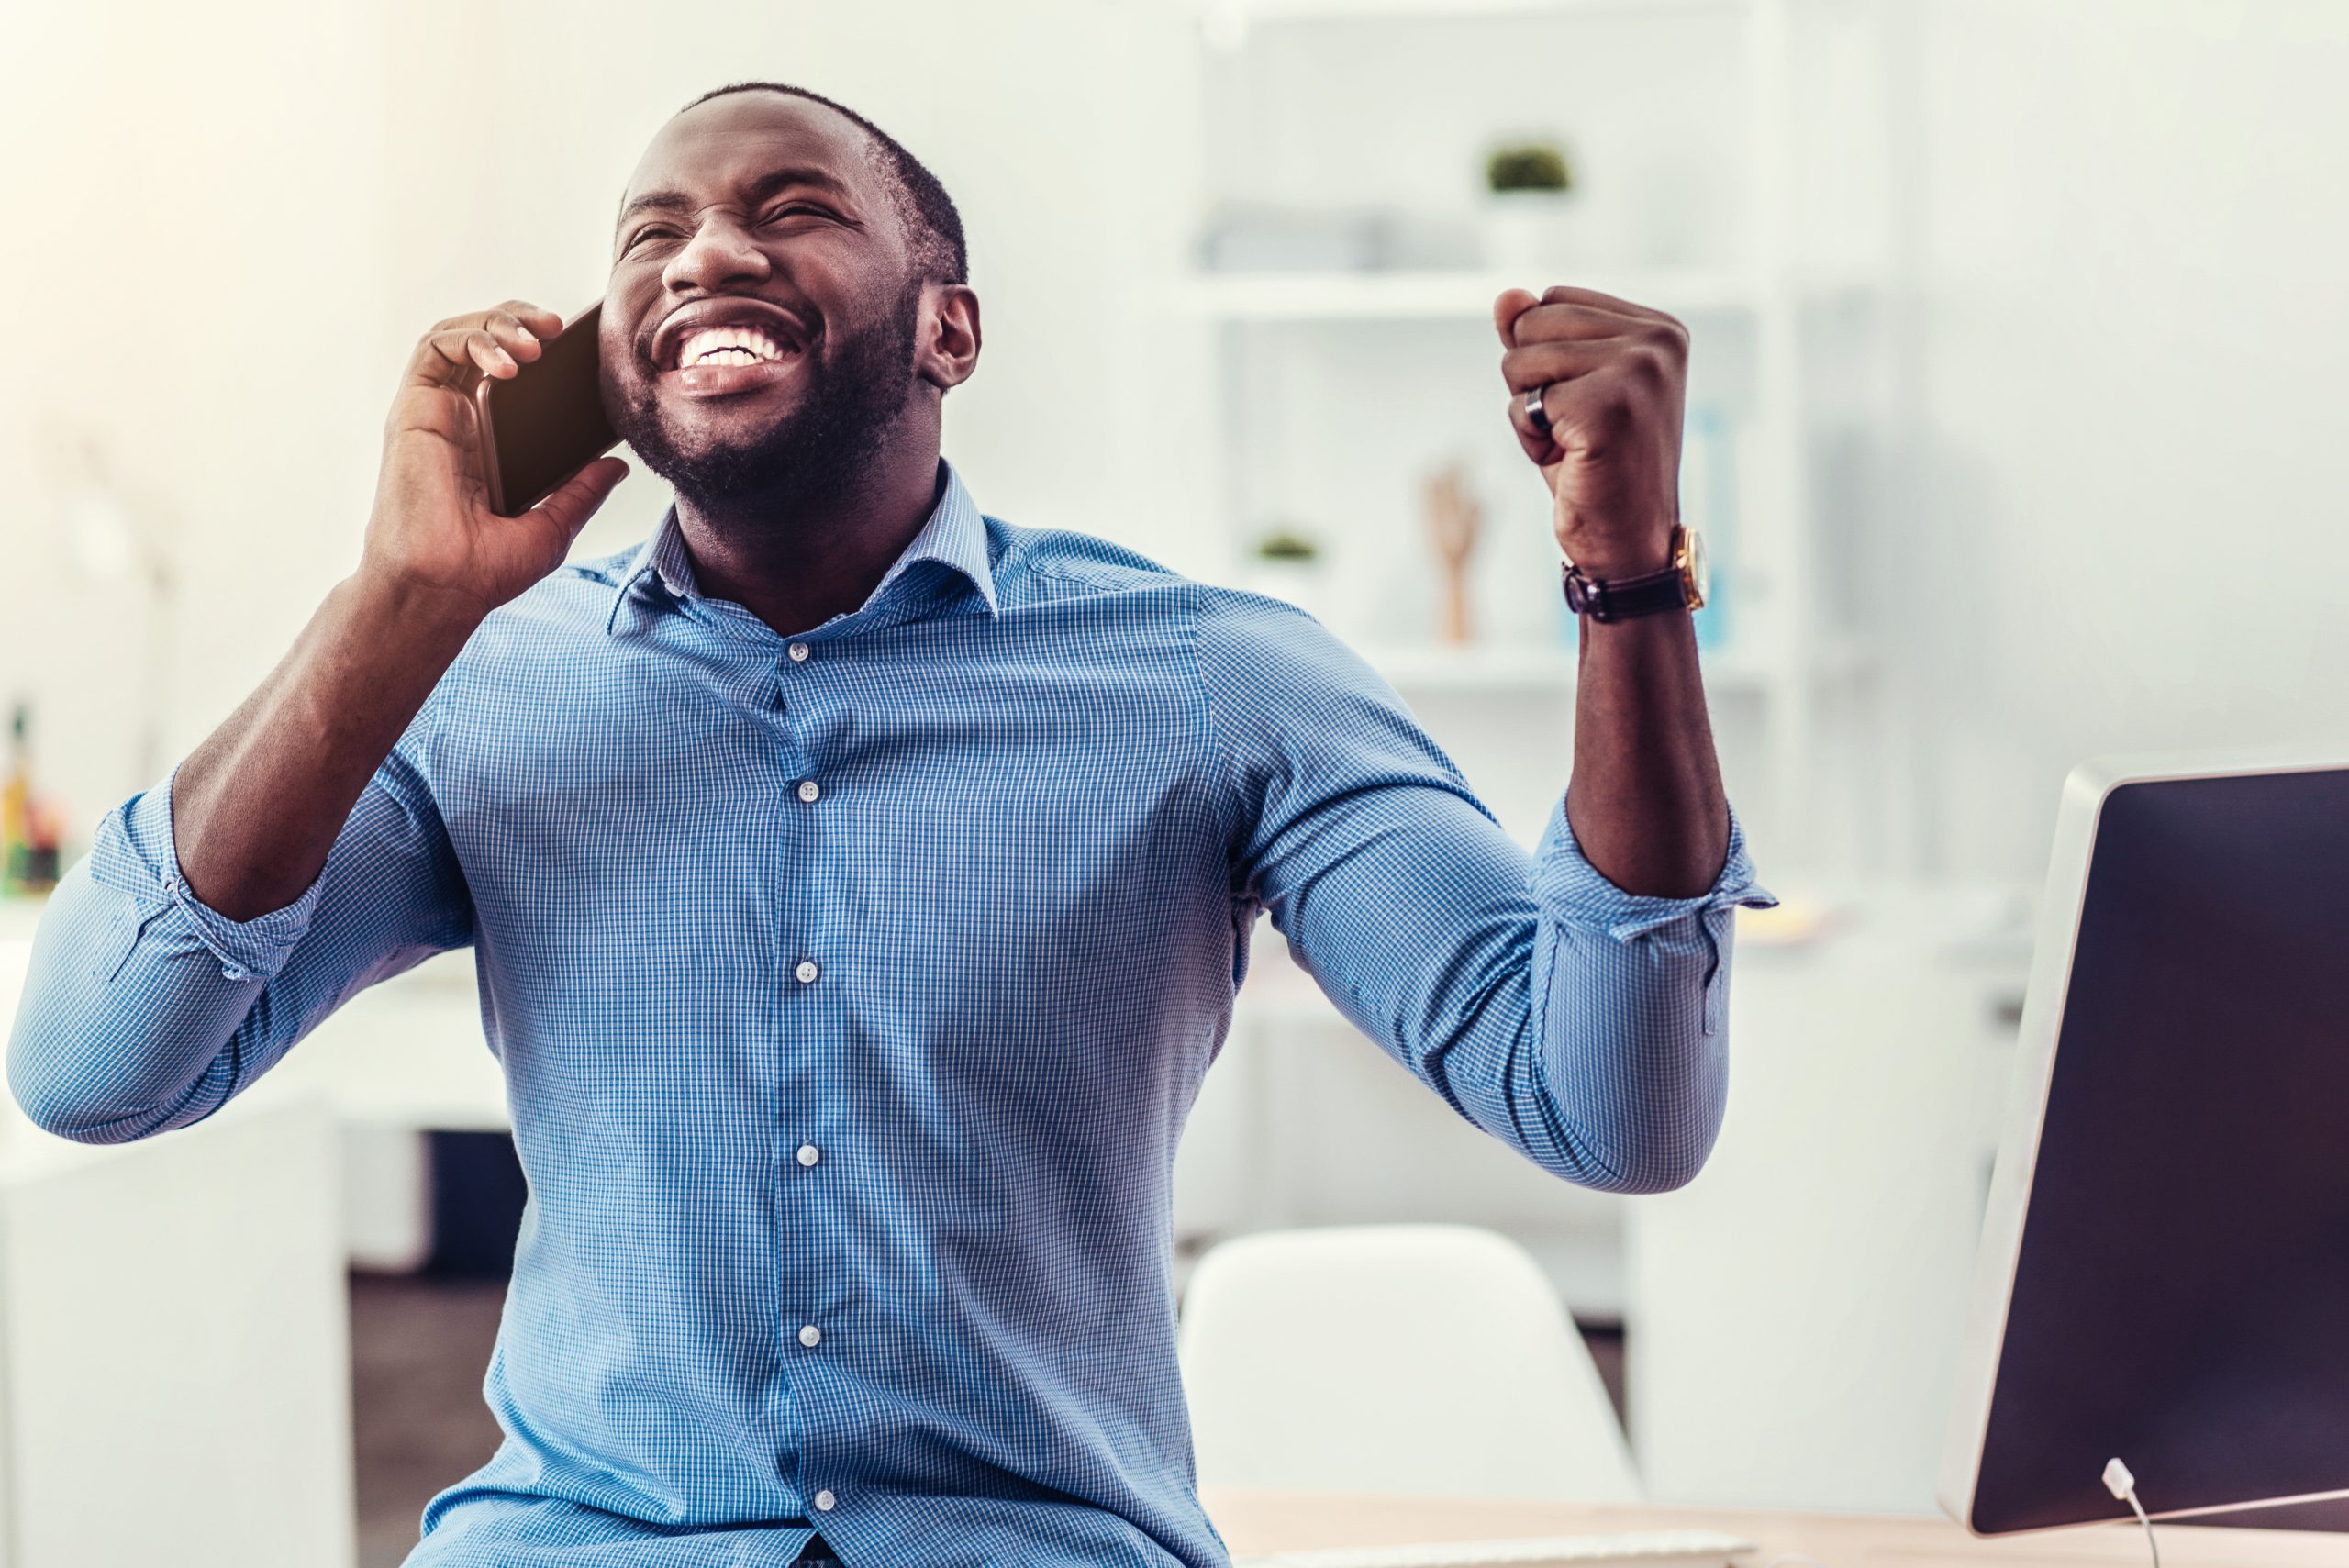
547,423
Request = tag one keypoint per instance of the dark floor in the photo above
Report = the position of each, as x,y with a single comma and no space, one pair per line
419,1345
1605,1343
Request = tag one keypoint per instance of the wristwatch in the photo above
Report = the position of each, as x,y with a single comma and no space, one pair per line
1679,586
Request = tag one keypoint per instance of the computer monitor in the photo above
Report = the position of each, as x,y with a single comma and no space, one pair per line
2164,1274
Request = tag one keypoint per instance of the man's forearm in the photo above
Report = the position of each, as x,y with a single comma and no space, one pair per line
256,807
1646,802
1598,390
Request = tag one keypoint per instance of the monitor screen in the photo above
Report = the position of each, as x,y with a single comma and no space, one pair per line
2180,1294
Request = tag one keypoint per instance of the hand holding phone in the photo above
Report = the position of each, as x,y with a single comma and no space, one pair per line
546,422
437,530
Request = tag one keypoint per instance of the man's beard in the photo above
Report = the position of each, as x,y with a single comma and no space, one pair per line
817,451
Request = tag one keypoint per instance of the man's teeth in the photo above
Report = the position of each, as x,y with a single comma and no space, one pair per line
728,346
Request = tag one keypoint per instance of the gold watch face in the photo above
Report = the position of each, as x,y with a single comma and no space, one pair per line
1696,568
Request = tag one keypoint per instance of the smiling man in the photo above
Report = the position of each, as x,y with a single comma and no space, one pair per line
859,886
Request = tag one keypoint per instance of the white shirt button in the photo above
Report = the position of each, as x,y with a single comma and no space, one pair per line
808,1155
810,1336
798,653
806,972
807,790
824,1501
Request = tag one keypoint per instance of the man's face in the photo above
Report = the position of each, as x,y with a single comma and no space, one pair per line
758,327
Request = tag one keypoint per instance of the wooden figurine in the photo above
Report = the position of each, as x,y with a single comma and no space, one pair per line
1455,518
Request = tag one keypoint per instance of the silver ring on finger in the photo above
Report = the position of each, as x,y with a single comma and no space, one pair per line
1535,412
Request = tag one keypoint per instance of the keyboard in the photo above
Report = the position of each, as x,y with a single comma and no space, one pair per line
1640,1549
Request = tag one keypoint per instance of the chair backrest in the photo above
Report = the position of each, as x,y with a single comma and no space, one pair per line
1434,1360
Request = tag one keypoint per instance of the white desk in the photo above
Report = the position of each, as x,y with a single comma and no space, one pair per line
1266,1521
1797,1310
408,1055
175,1368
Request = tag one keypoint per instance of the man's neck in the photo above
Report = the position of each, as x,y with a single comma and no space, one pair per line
796,567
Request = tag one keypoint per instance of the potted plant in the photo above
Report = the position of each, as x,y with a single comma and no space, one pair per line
1529,200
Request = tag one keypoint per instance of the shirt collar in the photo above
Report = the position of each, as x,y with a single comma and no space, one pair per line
955,536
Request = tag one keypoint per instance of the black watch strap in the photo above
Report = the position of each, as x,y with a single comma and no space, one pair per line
1624,598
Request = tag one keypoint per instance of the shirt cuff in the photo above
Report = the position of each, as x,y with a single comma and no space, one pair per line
136,853
1579,893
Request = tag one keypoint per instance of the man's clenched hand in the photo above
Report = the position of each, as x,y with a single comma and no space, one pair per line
1613,377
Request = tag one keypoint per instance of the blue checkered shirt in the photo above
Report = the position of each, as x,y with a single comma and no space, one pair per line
851,990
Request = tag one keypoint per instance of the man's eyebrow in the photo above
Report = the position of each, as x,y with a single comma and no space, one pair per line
757,191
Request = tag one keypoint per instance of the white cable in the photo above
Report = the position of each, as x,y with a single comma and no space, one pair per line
2124,1486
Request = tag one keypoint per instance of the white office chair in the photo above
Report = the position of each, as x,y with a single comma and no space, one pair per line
1416,1359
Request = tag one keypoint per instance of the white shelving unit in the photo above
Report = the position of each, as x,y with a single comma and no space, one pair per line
1780,654
1423,668
1228,21
1443,295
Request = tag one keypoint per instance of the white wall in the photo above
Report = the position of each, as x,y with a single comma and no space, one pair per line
194,269
2119,524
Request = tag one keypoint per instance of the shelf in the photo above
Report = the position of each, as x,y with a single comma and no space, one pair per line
1498,667
1532,668
1434,297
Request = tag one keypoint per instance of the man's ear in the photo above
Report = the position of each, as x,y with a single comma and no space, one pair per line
947,341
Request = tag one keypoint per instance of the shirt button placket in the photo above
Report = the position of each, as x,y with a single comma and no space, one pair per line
807,971
807,1155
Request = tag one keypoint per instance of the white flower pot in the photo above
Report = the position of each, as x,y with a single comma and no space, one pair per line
1532,234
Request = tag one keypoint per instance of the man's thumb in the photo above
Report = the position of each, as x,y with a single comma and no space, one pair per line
576,499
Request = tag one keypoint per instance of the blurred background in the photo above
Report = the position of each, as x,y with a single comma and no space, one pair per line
2019,364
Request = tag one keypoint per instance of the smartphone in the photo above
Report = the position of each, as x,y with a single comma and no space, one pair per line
542,426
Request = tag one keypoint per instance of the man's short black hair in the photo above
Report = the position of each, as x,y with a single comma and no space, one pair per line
932,225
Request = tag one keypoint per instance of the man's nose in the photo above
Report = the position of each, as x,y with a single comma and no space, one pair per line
720,253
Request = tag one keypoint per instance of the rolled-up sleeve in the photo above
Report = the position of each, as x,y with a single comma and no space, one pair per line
146,1010
1582,1024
